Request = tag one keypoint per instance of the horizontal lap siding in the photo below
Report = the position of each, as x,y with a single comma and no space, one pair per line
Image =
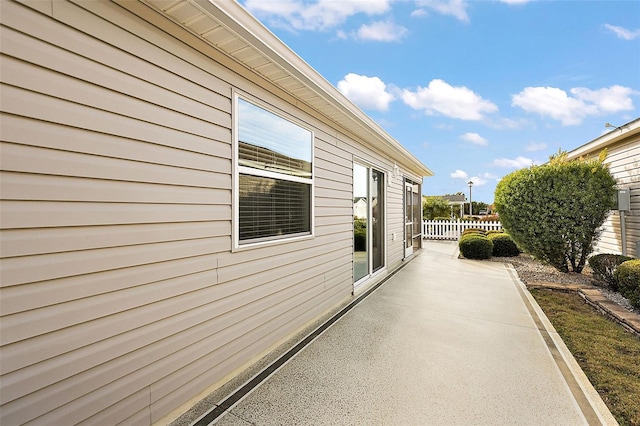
624,164
395,221
116,224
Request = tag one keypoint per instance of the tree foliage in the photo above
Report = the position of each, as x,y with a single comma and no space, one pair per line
477,206
554,211
433,206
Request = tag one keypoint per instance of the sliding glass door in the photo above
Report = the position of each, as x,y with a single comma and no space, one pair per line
368,221
413,217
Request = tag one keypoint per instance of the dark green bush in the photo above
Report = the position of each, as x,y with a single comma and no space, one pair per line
628,277
503,245
555,211
359,234
604,267
360,239
475,247
494,231
475,231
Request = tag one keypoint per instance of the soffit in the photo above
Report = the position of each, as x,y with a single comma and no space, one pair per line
230,29
621,134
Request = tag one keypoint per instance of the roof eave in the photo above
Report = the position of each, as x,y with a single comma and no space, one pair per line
621,133
251,31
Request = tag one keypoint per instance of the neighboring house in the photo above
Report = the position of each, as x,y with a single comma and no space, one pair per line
360,208
623,158
454,200
177,199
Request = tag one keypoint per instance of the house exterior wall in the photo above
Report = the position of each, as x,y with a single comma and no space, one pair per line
623,159
121,296
624,162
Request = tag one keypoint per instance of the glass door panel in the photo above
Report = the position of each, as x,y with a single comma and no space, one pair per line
377,219
368,221
408,221
360,222
417,217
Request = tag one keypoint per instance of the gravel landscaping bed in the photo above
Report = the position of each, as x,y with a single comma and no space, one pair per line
531,270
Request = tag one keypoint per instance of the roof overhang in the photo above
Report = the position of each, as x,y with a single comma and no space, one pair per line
232,30
619,134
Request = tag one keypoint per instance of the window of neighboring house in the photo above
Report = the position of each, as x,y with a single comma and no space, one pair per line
274,176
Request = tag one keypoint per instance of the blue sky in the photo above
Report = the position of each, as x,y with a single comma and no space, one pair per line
474,89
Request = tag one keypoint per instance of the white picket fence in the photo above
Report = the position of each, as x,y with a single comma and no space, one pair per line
451,230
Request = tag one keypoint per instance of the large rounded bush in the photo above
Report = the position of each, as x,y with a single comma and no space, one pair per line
554,211
503,245
628,277
475,247
604,267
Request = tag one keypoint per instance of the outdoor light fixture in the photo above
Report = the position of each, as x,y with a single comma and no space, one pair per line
470,183
612,126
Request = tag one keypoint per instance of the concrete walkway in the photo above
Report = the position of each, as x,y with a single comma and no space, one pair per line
445,341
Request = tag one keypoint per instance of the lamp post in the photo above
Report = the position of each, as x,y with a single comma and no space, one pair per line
470,183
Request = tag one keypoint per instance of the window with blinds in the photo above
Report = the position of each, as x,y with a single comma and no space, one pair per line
274,183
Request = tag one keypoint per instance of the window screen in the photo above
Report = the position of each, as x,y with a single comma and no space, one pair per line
275,175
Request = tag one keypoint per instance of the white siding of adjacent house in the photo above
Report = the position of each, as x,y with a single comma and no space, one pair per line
120,295
624,162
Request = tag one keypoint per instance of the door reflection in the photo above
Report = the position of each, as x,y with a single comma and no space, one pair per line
360,222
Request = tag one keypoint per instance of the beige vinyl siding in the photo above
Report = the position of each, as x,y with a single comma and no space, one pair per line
624,162
120,296
395,221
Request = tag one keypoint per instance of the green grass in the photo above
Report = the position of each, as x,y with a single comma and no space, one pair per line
608,354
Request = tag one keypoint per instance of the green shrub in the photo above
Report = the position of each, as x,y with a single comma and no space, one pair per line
555,211
503,245
494,231
604,267
628,276
433,207
442,218
475,247
360,239
475,231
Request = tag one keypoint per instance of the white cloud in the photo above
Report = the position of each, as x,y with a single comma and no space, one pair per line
475,139
483,179
455,8
320,15
489,176
516,163
623,33
381,31
454,102
366,92
478,181
533,146
459,174
571,110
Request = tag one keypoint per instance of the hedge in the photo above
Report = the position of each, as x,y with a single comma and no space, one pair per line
555,211
475,247
628,276
503,245
476,231
604,267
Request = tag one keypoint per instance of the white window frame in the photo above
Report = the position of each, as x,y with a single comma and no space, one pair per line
385,254
238,169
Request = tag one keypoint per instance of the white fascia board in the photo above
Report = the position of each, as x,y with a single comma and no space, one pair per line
618,134
242,23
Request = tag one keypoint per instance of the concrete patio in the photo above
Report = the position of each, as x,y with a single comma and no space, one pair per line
445,341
